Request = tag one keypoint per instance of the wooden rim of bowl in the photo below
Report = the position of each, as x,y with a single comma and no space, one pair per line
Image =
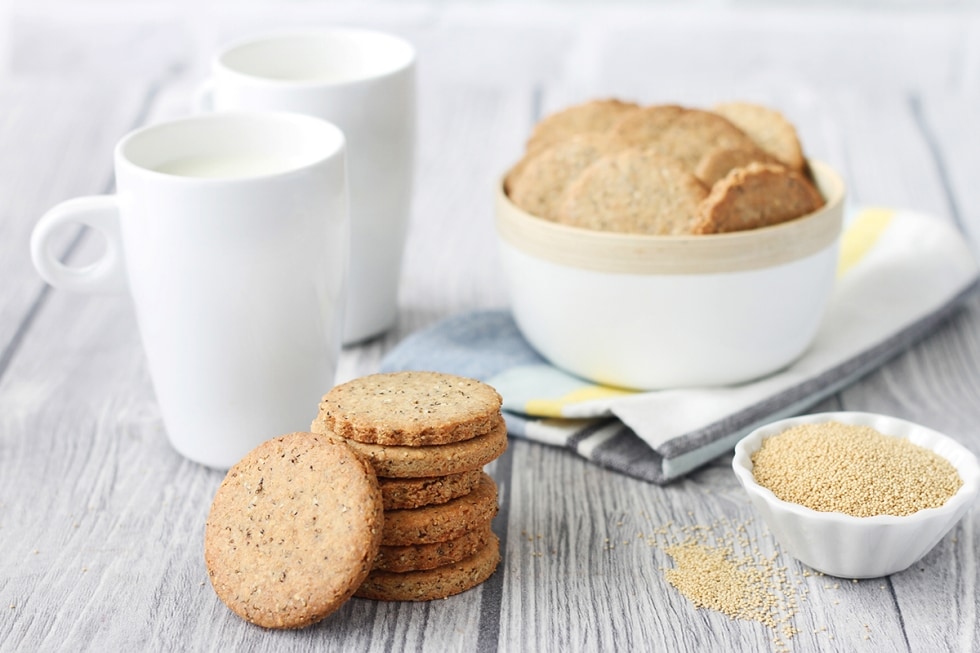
606,251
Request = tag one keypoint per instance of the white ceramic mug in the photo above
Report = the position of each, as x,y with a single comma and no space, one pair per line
232,232
364,82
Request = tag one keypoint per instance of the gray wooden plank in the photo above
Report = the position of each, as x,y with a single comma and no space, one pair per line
128,42
948,123
49,155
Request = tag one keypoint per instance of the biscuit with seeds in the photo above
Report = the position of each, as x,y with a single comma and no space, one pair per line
694,133
437,583
399,493
717,163
539,186
442,522
768,128
293,530
641,128
416,557
393,461
757,195
409,408
515,172
593,116
634,191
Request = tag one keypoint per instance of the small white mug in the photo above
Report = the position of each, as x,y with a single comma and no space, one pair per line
364,82
232,234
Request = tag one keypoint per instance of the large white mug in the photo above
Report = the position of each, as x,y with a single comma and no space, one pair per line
232,234
364,82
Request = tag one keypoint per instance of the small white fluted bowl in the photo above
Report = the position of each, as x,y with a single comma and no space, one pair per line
859,547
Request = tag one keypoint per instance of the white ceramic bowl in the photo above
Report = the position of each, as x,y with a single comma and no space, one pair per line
650,312
859,547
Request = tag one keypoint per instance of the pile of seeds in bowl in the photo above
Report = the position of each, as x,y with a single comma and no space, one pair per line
856,470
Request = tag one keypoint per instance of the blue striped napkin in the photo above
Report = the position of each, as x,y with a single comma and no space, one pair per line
900,274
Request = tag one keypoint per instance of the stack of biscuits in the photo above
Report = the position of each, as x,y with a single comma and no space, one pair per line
427,436
386,500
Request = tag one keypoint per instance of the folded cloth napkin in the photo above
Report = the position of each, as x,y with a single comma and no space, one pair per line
900,273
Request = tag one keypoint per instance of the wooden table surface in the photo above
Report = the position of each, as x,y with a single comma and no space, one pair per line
101,522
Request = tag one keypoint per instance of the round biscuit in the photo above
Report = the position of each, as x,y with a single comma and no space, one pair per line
400,493
293,530
437,583
416,557
717,163
515,172
642,127
442,522
591,116
395,461
757,195
409,408
539,185
694,133
768,128
634,191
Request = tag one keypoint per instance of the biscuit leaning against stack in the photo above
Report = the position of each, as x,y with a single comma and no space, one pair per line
427,436
293,530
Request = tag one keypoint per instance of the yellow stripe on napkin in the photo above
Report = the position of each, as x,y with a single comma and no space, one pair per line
554,407
861,235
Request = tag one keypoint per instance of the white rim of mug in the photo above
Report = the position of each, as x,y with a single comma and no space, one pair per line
122,159
885,424
218,61
617,252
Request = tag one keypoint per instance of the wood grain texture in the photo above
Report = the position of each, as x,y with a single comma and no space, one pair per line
101,522
34,123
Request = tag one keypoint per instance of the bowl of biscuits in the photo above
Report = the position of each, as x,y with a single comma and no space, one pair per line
653,247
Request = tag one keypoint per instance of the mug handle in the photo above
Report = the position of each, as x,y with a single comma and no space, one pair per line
101,213
204,97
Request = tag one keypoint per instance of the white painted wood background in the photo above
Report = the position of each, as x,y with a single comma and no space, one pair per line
101,522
